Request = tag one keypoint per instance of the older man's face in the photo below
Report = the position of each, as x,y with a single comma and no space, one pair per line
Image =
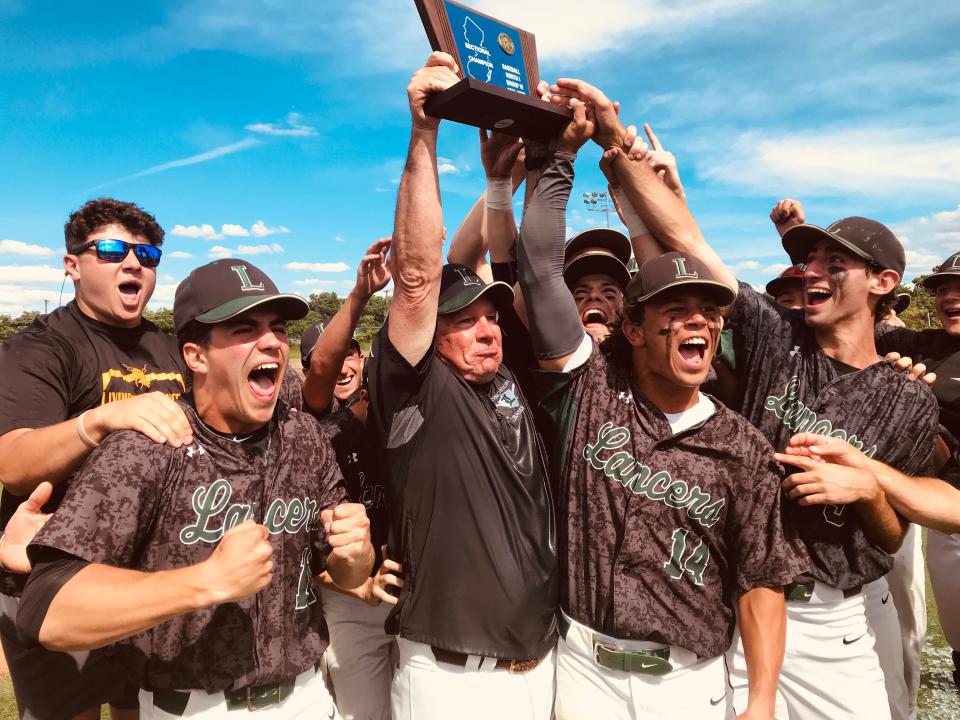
469,340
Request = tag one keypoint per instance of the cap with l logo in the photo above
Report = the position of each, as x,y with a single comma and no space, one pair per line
460,286
223,289
673,270
863,237
948,270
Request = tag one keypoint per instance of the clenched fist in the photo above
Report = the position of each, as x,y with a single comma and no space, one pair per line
241,565
351,554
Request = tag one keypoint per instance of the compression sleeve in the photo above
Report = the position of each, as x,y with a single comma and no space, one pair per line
554,322
49,575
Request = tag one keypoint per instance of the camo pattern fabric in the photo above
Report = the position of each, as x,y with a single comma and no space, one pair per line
661,531
788,385
140,505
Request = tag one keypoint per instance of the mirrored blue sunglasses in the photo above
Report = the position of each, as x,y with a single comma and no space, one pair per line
115,251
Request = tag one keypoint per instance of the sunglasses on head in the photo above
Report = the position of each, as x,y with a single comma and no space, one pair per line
115,251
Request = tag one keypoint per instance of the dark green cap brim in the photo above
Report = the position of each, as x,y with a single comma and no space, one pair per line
291,307
724,294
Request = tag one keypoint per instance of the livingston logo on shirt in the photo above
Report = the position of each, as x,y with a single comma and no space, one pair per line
641,480
122,384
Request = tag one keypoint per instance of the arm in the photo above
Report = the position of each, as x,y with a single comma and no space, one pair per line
554,322
348,532
21,529
327,357
101,605
786,214
51,454
763,627
665,214
418,227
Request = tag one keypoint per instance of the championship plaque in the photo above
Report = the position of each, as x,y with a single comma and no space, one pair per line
498,64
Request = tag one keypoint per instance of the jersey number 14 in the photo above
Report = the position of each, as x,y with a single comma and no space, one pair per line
696,562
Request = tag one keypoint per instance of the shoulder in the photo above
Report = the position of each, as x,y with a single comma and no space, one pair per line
729,428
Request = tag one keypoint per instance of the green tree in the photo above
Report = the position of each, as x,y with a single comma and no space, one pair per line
921,315
9,325
162,318
325,304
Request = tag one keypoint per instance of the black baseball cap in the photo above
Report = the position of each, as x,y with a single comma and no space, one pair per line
948,269
308,341
675,270
223,289
614,241
903,302
460,286
792,276
863,237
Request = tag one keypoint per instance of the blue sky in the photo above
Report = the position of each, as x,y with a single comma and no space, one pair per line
276,130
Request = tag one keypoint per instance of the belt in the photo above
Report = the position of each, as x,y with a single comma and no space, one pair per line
254,697
460,660
649,661
802,591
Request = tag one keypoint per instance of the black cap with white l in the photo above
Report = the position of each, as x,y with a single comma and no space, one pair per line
864,238
949,269
460,286
226,288
672,270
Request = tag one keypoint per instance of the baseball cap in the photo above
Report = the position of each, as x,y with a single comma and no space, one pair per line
675,270
793,275
613,241
308,341
903,302
949,268
223,289
863,237
460,286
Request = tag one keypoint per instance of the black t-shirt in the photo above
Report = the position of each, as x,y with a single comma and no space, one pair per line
471,517
789,385
940,352
65,363
357,458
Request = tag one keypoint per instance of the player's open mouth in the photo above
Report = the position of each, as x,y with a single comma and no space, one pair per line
345,380
693,351
952,312
817,296
594,316
263,380
129,292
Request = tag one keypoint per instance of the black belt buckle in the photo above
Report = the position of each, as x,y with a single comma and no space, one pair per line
257,697
653,661
799,591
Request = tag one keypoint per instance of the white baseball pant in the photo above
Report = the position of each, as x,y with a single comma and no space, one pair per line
361,657
695,688
309,700
943,561
424,689
830,666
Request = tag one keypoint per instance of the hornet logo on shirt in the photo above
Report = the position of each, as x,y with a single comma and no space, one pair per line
641,480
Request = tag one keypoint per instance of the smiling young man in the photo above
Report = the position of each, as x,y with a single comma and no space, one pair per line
471,519
74,376
595,270
671,516
199,560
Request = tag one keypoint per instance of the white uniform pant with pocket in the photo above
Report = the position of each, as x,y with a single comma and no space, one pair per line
424,689
361,657
830,666
695,688
890,627
309,700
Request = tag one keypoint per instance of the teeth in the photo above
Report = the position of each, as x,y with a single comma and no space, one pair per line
267,366
694,341
819,291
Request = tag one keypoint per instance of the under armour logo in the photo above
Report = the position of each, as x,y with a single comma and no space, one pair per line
245,282
625,396
353,457
795,351
195,449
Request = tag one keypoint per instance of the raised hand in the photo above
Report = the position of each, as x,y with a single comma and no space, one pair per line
21,529
498,153
609,129
436,75
786,214
241,565
580,128
373,273
664,163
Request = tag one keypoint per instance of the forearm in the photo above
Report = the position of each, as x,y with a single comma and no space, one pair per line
351,573
927,501
330,350
469,246
361,592
880,521
102,605
540,261
666,216
763,624
51,454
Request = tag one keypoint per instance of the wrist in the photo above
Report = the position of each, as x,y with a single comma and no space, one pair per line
94,424
199,583
631,218
499,193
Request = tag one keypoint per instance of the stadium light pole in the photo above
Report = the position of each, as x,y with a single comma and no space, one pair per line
598,201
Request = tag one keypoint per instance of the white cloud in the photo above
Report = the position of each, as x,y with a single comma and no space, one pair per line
219,251
337,238
318,267
179,254
195,231
184,162
446,166
774,269
929,240
234,230
864,160
744,265
16,299
30,274
261,229
163,295
18,247
292,127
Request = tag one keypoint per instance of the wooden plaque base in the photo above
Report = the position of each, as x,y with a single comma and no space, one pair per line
487,106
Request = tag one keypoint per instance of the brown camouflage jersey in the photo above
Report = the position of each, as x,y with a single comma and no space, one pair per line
788,385
140,505
659,532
